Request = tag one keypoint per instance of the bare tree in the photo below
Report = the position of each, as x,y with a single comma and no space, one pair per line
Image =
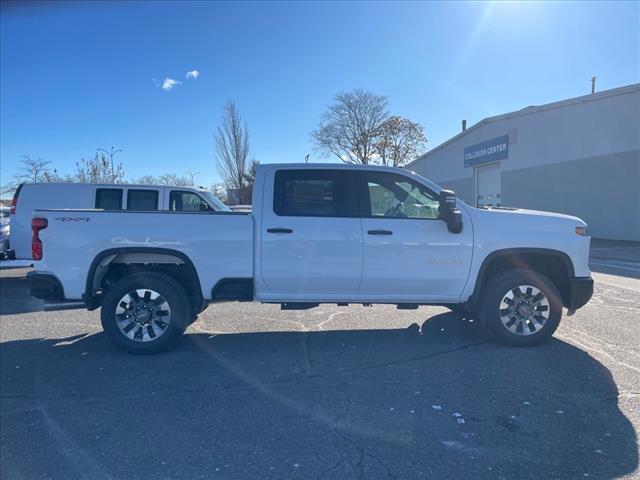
145,180
98,170
168,179
232,148
400,141
250,178
173,180
350,127
33,170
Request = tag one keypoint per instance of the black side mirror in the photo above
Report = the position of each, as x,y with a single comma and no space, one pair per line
449,212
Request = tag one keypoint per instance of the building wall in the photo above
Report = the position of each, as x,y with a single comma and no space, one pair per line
604,191
576,153
463,188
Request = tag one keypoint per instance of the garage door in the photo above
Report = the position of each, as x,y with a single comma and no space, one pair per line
488,185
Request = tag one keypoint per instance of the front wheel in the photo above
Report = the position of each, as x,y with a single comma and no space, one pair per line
145,312
520,307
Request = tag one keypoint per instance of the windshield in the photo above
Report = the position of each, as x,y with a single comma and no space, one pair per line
212,200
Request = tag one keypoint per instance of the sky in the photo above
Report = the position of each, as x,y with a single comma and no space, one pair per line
151,78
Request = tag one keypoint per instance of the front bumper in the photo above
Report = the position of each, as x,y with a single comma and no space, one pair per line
45,286
580,292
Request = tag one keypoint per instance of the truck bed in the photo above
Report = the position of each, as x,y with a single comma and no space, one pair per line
219,244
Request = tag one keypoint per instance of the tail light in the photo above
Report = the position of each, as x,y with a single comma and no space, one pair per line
37,224
14,200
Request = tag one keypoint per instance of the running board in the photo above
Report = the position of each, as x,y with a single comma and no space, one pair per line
407,306
298,306
54,306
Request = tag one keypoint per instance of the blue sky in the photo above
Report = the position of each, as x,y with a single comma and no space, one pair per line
75,77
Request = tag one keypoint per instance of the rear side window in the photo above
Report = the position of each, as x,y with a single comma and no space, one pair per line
142,200
109,198
181,201
314,193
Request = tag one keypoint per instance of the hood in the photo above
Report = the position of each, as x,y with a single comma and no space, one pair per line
535,213
527,219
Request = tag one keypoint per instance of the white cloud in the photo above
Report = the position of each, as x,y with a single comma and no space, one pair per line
193,74
169,83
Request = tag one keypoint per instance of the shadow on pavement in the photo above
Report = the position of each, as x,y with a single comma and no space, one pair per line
436,402
14,294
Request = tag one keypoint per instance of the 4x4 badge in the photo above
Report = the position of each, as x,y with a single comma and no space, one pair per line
72,219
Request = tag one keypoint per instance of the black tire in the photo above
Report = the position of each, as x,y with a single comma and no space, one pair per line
171,291
491,314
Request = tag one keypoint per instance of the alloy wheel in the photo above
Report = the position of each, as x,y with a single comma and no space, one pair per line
143,315
524,310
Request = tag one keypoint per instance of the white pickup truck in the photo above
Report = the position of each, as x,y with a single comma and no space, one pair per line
317,234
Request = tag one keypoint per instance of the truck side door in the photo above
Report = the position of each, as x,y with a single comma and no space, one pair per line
409,254
311,238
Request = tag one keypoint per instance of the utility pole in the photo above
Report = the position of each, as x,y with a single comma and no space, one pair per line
112,153
593,84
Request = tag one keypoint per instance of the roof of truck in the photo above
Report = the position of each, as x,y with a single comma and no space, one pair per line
327,165
116,185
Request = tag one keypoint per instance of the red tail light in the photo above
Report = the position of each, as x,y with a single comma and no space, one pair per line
37,224
14,200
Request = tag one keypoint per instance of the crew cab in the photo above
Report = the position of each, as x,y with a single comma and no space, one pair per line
317,234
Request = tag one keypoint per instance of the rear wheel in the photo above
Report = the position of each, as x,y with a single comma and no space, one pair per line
520,307
145,312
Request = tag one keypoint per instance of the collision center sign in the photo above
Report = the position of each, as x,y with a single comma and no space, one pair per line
488,151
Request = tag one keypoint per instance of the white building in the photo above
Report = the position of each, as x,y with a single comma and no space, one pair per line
579,156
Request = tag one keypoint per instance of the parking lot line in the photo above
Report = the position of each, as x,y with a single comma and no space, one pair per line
613,265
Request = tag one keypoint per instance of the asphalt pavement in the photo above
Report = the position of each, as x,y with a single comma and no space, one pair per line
252,392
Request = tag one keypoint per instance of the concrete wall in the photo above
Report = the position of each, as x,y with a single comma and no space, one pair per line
604,191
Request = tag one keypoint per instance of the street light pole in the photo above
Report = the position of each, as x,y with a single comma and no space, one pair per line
191,175
111,152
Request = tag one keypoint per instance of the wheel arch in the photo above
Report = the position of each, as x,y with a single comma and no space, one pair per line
137,259
554,264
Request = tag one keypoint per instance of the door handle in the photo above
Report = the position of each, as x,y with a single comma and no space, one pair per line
279,230
380,232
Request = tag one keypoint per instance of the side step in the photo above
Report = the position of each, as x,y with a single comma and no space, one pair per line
298,306
53,306
407,306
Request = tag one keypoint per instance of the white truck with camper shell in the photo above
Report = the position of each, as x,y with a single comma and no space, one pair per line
317,234
104,196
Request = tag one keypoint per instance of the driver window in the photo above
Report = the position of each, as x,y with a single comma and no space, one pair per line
394,196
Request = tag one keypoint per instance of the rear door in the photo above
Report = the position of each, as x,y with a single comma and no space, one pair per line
311,238
409,254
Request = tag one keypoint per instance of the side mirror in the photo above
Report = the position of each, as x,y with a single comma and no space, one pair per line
449,212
